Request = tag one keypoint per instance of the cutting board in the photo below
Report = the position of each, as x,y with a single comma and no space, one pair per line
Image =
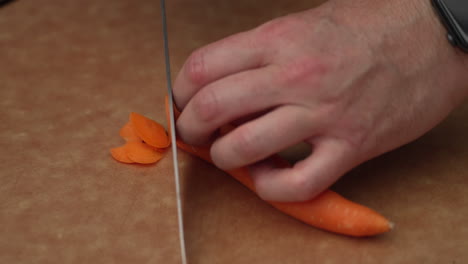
72,71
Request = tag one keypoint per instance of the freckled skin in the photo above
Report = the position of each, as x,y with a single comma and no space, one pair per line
354,79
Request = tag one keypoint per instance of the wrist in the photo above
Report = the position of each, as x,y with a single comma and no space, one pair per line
408,35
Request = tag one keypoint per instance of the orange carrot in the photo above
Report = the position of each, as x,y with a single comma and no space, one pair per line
127,132
203,153
332,212
328,211
141,153
120,154
149,131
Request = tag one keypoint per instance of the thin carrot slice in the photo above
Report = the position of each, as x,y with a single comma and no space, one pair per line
120,154
141,153
329,211
127,132
160,150
149,131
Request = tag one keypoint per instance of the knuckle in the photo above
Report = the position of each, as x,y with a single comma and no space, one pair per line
301,188
195,69
303,71
206,105
354,133
357,136
244,146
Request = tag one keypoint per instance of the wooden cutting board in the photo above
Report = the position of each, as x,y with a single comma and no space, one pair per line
70,73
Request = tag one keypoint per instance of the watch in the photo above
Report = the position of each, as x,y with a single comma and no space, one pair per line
454,16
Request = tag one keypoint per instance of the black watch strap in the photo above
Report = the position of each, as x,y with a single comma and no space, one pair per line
5,2
454,16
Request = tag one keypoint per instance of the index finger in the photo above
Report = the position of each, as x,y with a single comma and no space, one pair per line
231,55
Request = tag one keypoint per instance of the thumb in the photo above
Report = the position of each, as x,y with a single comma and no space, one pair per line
329,160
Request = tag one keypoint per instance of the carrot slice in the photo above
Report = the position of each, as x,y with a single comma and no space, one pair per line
127,132
141,153
149,131
329,211
120,154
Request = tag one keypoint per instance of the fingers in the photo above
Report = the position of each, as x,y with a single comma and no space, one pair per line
228,56
226,100
308,178
262,137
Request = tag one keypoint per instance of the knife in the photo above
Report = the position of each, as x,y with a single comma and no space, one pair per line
173,133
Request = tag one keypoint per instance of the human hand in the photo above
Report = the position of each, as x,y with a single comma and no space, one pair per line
354,79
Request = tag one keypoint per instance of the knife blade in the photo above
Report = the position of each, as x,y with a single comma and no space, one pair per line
173,134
